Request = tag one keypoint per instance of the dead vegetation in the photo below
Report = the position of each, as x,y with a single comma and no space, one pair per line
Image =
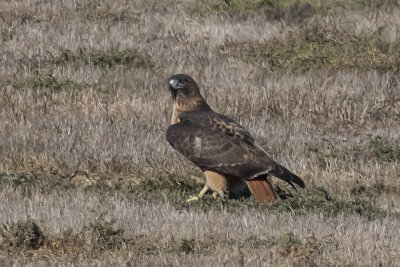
86,176
100,239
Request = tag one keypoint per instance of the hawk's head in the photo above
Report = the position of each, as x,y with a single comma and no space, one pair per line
183,87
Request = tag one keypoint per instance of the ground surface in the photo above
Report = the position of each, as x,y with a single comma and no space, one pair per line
87,178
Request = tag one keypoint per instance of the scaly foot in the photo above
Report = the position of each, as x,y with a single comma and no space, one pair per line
220,193
202,192
192,198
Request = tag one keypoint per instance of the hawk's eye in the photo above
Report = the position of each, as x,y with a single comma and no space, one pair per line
182,82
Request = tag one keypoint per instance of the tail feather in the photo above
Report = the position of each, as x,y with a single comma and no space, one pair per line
262,190
288,176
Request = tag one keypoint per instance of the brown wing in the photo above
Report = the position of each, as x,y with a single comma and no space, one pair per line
215,142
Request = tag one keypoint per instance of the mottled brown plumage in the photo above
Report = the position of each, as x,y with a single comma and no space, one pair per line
223,149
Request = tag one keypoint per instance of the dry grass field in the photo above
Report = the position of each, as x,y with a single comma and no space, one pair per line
87,177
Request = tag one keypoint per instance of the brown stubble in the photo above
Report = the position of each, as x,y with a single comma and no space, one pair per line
317,123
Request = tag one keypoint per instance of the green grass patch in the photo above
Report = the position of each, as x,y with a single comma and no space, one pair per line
319,200
177,189
374,191
173,186
286,9
106,236
21,235
44,180
321,46
275,9
47,82
383,151
305,201
291,245
102,237
129,57
279,7
95,11
375,3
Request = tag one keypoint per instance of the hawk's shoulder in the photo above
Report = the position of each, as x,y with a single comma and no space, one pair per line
215,142
217,123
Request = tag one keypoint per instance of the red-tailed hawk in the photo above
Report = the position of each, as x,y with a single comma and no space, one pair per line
223,149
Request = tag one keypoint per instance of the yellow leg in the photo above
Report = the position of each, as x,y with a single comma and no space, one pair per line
201,194
220,193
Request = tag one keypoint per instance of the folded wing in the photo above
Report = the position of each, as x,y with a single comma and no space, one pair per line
215,142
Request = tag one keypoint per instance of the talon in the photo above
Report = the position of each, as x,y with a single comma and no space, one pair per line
216,194
202,192
192,198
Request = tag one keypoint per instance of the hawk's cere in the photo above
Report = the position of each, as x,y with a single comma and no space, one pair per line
224,150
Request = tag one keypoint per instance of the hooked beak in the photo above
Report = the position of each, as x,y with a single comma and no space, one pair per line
174,85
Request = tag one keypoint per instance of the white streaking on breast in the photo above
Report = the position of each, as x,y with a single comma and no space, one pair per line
197,145
197,142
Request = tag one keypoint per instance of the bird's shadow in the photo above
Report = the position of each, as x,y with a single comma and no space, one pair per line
284,193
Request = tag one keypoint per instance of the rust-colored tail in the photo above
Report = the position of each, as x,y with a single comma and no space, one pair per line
262,190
